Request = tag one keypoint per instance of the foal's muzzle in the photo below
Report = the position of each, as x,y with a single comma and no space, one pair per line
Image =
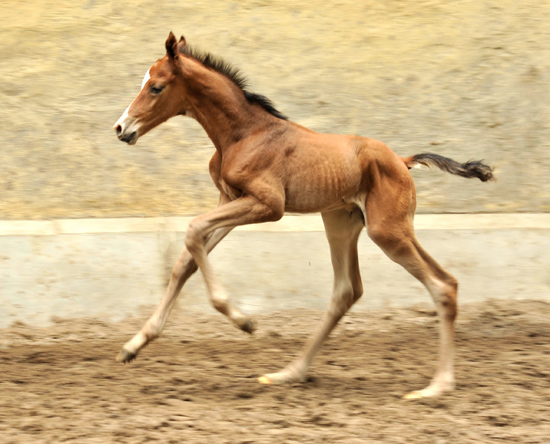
129,138
127,129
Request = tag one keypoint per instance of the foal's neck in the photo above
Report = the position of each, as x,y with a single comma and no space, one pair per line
220,107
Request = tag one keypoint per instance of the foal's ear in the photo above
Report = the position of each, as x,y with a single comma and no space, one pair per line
171,46
182,44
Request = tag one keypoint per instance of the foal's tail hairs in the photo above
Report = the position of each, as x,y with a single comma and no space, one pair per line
472,168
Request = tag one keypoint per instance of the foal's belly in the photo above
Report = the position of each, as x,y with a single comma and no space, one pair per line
311,197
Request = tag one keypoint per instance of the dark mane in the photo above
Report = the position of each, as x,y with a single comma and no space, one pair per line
233,74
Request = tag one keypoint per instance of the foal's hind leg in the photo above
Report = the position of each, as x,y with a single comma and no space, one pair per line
393,232
343,230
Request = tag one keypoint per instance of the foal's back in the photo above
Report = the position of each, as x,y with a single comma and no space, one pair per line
321,172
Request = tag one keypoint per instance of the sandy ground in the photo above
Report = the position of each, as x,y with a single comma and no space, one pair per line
465,79
197,383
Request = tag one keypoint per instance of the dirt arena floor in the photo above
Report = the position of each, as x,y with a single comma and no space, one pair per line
197,384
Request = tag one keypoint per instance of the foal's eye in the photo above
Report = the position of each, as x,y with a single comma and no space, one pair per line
156,90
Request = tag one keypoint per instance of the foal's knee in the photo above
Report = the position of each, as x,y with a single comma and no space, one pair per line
184,267
194,237
446,298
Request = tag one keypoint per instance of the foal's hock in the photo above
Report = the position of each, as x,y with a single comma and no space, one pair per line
265,165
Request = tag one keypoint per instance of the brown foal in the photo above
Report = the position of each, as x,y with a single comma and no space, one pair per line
265,165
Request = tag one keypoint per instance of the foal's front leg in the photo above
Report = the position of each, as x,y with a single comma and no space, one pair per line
183,269
242,211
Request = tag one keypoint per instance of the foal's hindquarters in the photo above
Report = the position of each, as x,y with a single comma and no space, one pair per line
388,212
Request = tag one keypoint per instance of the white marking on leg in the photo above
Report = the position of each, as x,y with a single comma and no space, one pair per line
443,379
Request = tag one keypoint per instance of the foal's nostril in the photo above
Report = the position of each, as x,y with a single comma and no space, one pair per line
118,130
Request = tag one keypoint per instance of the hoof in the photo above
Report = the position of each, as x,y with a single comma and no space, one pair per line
249,326
281,378
413,395
431,391
264,380
125,356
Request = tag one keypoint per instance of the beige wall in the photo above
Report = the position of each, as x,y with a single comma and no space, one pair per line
464,79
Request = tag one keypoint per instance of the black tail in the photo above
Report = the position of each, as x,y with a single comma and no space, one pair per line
472,168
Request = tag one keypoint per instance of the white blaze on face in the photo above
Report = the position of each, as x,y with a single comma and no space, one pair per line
145,78
125,114
126,124
123,117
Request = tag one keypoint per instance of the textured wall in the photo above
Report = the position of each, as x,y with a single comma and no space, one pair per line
465,79
111,267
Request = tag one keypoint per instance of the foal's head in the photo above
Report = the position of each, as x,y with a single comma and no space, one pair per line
161,96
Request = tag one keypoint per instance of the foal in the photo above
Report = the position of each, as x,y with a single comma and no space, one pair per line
265,165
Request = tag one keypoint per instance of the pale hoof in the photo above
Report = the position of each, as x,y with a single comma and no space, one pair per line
264,380
280,378
125,356
414,395
429,392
